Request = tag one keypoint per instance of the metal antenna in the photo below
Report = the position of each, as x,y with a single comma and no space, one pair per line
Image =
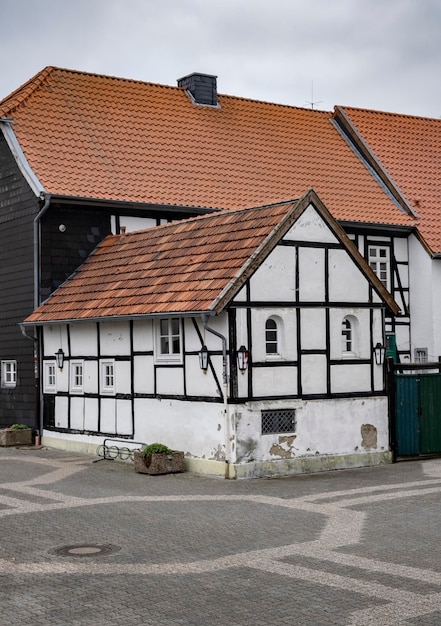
312,102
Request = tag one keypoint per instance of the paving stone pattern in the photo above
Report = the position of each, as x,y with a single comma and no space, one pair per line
354,547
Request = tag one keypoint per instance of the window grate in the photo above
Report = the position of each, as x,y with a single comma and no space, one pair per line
280,421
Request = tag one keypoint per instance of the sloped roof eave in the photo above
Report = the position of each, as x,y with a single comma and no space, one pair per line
117,318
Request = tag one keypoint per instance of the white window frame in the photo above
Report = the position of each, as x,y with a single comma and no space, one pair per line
272,342
76,378
349,337
9,374
379,262
50,377
107,377
162,356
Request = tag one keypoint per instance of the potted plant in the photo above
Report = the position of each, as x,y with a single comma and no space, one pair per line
157,458
16,435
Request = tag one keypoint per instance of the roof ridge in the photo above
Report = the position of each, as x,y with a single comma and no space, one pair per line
19,95
391,113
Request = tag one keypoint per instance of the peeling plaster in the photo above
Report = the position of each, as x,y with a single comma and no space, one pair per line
285,447
368,436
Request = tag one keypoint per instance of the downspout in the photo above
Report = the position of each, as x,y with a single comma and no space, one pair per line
37,220
37,346
228,452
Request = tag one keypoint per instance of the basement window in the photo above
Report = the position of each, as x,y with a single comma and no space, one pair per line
278,421
9,374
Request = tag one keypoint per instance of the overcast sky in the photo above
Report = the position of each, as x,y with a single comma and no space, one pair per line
377,54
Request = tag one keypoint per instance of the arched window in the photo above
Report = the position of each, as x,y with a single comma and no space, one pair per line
350,337
347,335
271,336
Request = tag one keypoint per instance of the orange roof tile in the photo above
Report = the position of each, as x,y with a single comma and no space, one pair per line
189,266
92,136
409,149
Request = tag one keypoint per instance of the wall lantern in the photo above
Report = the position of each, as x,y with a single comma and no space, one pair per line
379,352
59,355
203,359
242,358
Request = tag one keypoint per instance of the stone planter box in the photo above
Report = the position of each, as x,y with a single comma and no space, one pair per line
19,437
159,463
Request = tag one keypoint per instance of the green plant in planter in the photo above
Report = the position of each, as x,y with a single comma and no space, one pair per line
152,448
18,427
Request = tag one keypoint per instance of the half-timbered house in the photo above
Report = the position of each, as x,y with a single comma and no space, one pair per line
286,312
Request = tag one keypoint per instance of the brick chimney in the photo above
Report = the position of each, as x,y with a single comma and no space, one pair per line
202,88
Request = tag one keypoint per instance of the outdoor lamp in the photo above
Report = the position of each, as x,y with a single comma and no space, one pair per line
203,359
242,358
59,355
379,352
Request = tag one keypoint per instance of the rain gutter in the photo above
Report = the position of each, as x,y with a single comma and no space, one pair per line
228,451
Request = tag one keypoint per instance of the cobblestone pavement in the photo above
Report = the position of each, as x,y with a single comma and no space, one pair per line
89,544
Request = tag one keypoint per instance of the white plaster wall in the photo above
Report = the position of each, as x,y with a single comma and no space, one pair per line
350,378
198,383
362,334
90,377
143,335
143,374
196,428
421,284
83,339
314,373
91,414
401,251
275,278
108,415
55,337
114,339
123,376
170,381
310,227
61,411
275,381
311,274
313,329
123,417
324,427
346,281
287,324
77,412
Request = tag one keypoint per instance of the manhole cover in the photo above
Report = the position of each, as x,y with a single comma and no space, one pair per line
86,550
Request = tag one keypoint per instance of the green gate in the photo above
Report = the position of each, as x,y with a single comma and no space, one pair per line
417,410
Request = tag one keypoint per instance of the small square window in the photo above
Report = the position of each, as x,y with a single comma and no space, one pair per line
9,374
379,261
76,376
169,341
278,421
50,377
421,355
107,377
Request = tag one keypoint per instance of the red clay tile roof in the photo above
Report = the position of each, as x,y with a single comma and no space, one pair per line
409,149
92,136
187,266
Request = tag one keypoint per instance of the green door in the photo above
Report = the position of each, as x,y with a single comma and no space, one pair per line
406,414
430,413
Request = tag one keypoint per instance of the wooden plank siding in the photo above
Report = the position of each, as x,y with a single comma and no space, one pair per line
18,206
